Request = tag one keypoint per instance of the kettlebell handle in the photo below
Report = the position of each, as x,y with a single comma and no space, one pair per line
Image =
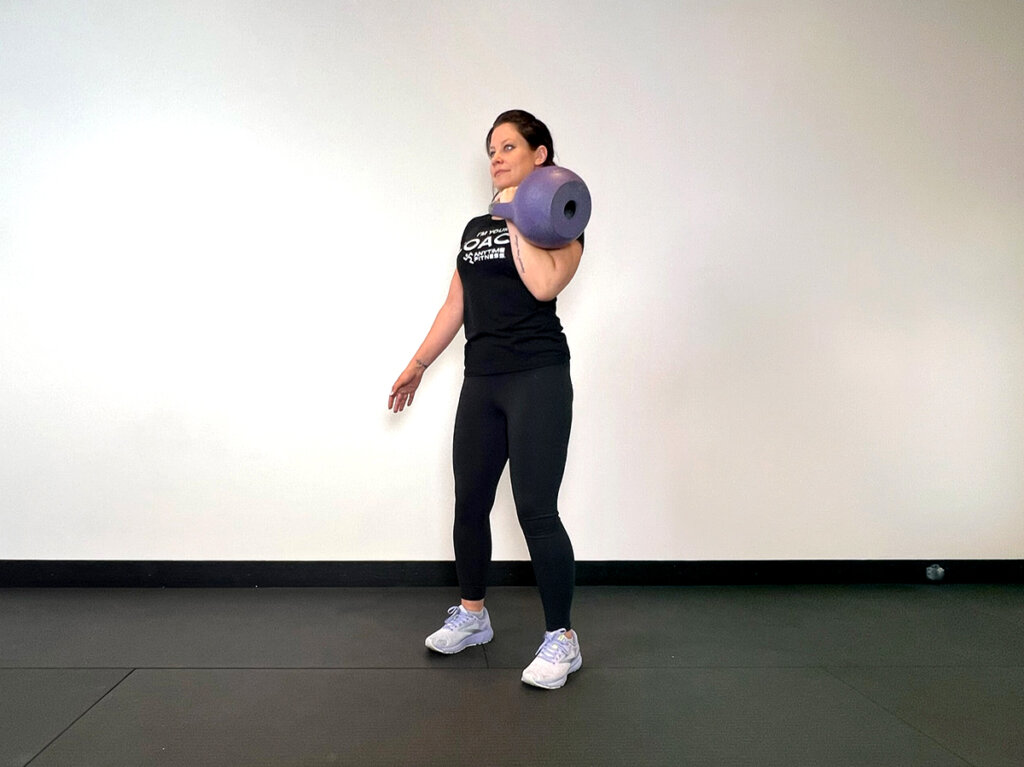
503,210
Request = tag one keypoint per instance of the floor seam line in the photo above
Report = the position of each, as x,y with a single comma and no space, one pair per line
897,717
78,718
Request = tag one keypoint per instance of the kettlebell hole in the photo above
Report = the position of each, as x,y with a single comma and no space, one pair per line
570,209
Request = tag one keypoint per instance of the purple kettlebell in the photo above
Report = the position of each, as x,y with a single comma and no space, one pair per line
551,207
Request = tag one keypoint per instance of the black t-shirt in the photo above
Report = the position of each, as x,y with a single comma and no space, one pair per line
507,329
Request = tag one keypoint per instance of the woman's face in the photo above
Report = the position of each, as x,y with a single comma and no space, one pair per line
512,160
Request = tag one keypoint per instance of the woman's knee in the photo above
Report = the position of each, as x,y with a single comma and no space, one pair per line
540,524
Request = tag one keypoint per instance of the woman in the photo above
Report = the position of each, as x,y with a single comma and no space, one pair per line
515,405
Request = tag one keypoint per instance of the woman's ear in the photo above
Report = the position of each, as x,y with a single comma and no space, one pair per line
540,156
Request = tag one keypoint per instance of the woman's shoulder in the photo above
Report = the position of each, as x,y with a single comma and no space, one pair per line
477,223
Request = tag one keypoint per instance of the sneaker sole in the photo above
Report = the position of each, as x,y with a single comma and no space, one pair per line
481,637
556,684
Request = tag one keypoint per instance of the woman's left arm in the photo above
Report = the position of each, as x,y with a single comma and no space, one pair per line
545,273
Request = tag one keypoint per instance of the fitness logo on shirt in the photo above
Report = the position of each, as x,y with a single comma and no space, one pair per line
488,245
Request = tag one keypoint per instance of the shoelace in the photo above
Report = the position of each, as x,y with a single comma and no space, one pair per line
456,618
554,651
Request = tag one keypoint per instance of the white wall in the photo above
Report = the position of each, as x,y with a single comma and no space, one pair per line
798,330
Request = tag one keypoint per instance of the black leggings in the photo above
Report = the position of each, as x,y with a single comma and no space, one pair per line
523,419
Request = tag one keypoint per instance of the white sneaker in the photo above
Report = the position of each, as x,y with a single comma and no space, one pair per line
557,657
462,629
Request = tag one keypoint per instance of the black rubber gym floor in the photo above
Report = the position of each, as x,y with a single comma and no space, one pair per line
762,676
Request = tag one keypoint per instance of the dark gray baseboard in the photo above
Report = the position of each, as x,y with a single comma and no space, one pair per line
180,574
